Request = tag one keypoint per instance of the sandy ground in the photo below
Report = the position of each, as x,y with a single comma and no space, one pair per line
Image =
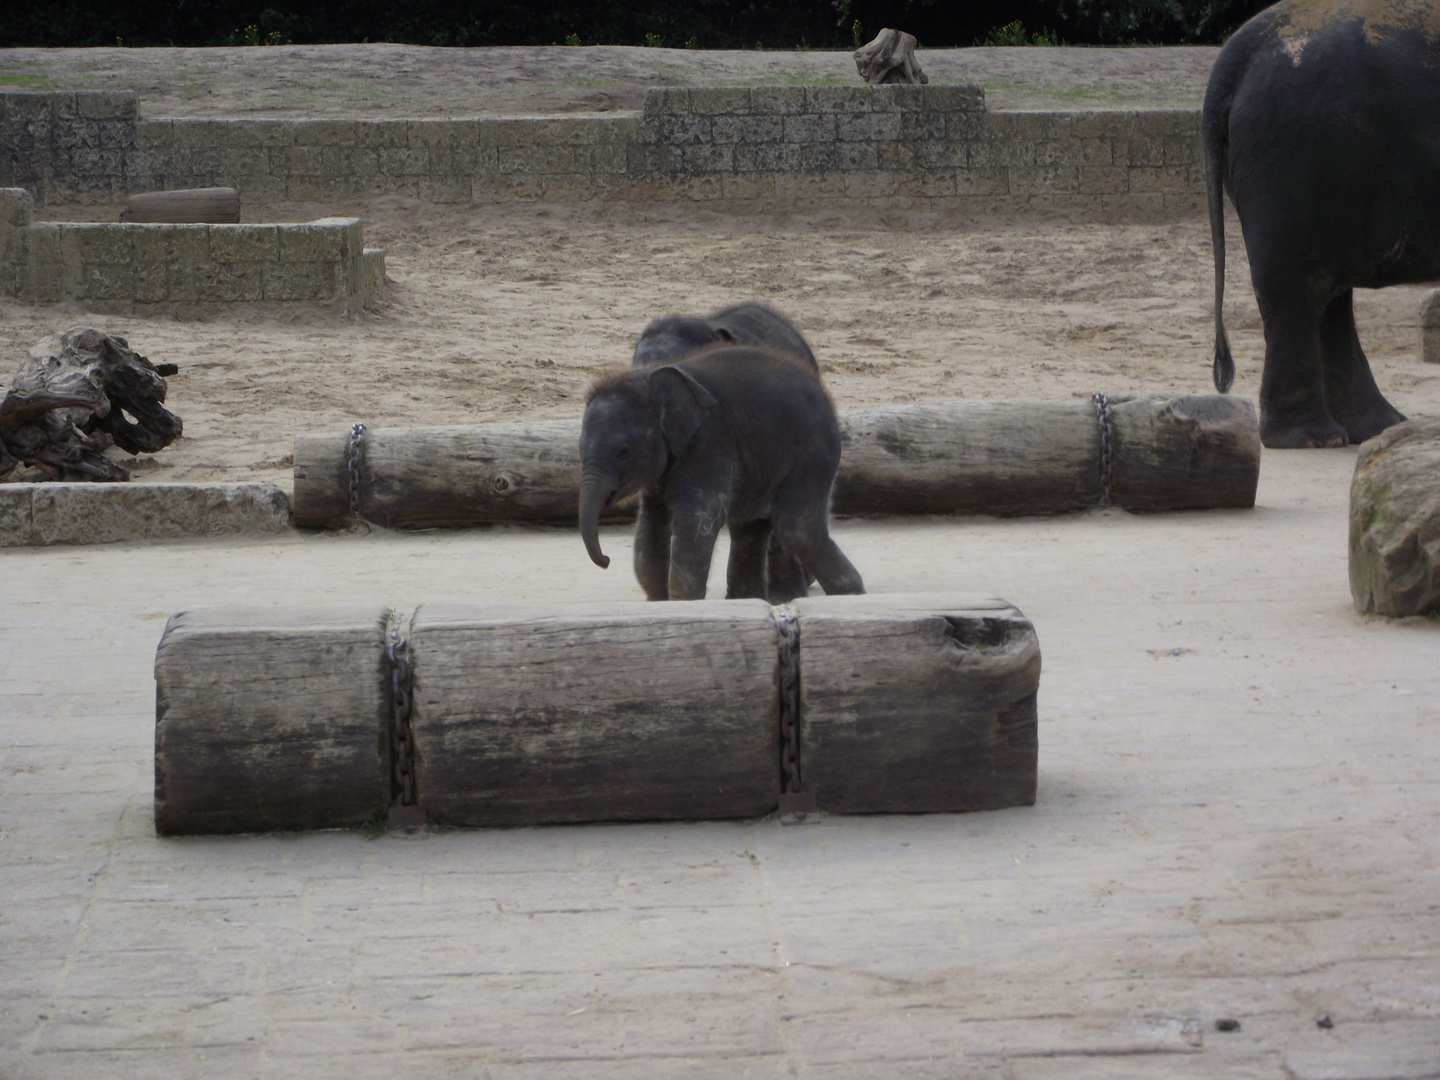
1238,818
412,81
509,314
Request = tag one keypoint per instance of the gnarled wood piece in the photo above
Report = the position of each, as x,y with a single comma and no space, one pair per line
890,58
77,394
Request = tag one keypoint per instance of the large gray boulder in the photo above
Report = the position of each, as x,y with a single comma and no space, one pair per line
1395,521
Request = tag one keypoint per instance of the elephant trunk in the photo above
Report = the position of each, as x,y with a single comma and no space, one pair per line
594,491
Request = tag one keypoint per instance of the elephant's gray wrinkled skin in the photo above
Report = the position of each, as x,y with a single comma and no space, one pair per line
675,336
734,435
1322,123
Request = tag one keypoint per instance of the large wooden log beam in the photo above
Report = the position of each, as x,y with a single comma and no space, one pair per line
526,714
968,457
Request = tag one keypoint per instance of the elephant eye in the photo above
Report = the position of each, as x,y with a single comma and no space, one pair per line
623,454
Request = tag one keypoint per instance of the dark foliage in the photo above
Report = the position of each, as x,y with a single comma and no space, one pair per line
674,23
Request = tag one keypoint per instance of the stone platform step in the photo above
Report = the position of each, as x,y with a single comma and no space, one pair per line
43,514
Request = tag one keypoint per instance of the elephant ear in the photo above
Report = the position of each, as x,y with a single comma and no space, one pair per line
683,402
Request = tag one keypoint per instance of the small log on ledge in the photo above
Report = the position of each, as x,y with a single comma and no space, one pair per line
192,206
78,394
890,58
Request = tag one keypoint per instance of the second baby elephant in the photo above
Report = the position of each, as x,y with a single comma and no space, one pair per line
673,336
733,435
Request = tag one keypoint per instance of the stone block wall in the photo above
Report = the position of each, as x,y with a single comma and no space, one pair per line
188,269
738,148
64,144
919,147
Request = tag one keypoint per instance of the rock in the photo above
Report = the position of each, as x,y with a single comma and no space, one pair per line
1395,521
1430,327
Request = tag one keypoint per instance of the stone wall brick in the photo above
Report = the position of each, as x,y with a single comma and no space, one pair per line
719,101
747,129
857,127
810,128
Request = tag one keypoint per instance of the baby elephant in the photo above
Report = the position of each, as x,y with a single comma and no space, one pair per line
673,336
733,435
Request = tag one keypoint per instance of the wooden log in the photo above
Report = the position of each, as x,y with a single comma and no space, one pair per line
965,457
526,714
270,719
192,206
417,478
910,704
615,712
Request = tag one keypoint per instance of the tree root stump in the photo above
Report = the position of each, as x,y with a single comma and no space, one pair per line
890,58
78,394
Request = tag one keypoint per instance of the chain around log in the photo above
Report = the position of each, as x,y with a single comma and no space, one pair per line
796,805
354,458
1107,438
403,809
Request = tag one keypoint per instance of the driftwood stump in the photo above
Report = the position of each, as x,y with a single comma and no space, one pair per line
79,393
890,58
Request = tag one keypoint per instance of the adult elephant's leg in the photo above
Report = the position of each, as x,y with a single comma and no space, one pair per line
745,575
652,548
1292,388
1351,395
786,577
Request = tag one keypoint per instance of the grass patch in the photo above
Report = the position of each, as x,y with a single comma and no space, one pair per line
9,79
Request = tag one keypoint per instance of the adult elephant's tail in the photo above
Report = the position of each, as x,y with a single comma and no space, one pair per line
1214,128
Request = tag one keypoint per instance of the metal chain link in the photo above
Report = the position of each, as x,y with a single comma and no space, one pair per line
1107,437
402,742
796,805
789,627
353,461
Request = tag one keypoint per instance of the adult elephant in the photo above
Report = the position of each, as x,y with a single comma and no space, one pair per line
1322,123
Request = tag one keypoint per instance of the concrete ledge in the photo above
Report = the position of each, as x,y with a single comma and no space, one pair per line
44,514
184,270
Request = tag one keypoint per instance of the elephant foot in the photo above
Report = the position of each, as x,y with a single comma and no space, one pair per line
1325,432
1368,423
788,579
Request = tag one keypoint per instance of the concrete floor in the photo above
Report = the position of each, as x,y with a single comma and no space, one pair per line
1238,818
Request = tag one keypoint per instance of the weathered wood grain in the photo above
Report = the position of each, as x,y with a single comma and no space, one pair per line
913,704
977,457
634,711
191,206
1200,452
416,478
1000,457
270,719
